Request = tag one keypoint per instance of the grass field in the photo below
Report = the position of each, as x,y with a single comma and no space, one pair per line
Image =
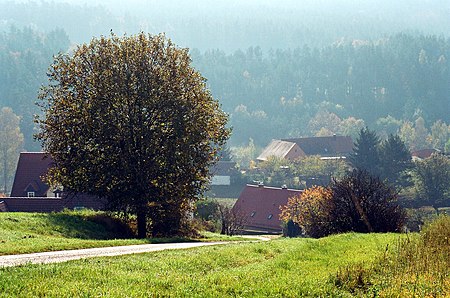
346,265
278,268
37,232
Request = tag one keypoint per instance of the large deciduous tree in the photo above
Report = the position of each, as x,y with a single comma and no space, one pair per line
11,143
129,120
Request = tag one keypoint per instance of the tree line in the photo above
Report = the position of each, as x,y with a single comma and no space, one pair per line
389,84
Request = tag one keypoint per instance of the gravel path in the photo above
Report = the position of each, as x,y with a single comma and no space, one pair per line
67,255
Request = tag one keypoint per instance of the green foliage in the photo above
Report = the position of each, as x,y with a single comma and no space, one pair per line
413,267
298,173
206,209
358,202
395,161
11,144
245,155
365,152
312,211
390,159
286,267
363,203
440,134
129,120
431,177
365,80
24,58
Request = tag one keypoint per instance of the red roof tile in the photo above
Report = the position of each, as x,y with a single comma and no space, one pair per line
30,168
261,206
325,146
424,153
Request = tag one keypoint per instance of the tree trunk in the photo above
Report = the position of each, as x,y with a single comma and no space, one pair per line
361,213
142,224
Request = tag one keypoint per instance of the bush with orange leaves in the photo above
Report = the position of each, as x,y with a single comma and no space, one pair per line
358,202
312,211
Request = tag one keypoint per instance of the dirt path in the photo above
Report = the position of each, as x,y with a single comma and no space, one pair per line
67,255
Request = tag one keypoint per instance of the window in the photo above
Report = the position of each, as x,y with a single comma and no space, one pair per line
270,216
30,194
253,214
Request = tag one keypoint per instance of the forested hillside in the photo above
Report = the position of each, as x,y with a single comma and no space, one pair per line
25,56
337,89
290,69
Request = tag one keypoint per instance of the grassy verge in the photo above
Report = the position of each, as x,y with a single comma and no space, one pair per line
37,232
416,266
278,268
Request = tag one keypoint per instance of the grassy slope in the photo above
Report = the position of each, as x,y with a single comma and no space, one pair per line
37,232
279,268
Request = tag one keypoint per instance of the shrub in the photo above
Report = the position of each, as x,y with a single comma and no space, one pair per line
207,209
311,211
291,229
358,202
363,203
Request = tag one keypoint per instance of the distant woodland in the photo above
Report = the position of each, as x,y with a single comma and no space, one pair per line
301,72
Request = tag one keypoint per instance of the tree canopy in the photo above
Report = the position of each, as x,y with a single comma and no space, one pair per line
432,177
365,152
128,119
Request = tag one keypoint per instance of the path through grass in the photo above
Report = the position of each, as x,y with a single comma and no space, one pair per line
39,232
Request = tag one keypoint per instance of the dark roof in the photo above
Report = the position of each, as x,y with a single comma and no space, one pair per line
424,153
30,169
325,146
257,203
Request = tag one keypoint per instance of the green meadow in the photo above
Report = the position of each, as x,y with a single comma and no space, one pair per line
277,268
38,232
345,265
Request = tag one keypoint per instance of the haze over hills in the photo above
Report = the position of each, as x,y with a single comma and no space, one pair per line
234,24
296,68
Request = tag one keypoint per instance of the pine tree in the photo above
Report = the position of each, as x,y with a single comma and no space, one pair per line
365,152
395,160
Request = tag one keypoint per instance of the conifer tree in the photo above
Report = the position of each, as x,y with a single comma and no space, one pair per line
365,152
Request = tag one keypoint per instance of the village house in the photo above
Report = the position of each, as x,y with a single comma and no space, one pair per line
30,193
281,149
331,147
326,147
259,206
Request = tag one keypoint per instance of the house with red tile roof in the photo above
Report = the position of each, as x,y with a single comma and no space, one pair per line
260,207
331,146
31,169
30,193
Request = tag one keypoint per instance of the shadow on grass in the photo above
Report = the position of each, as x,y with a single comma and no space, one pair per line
90,225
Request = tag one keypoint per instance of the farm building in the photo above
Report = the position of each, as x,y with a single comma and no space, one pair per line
260,207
